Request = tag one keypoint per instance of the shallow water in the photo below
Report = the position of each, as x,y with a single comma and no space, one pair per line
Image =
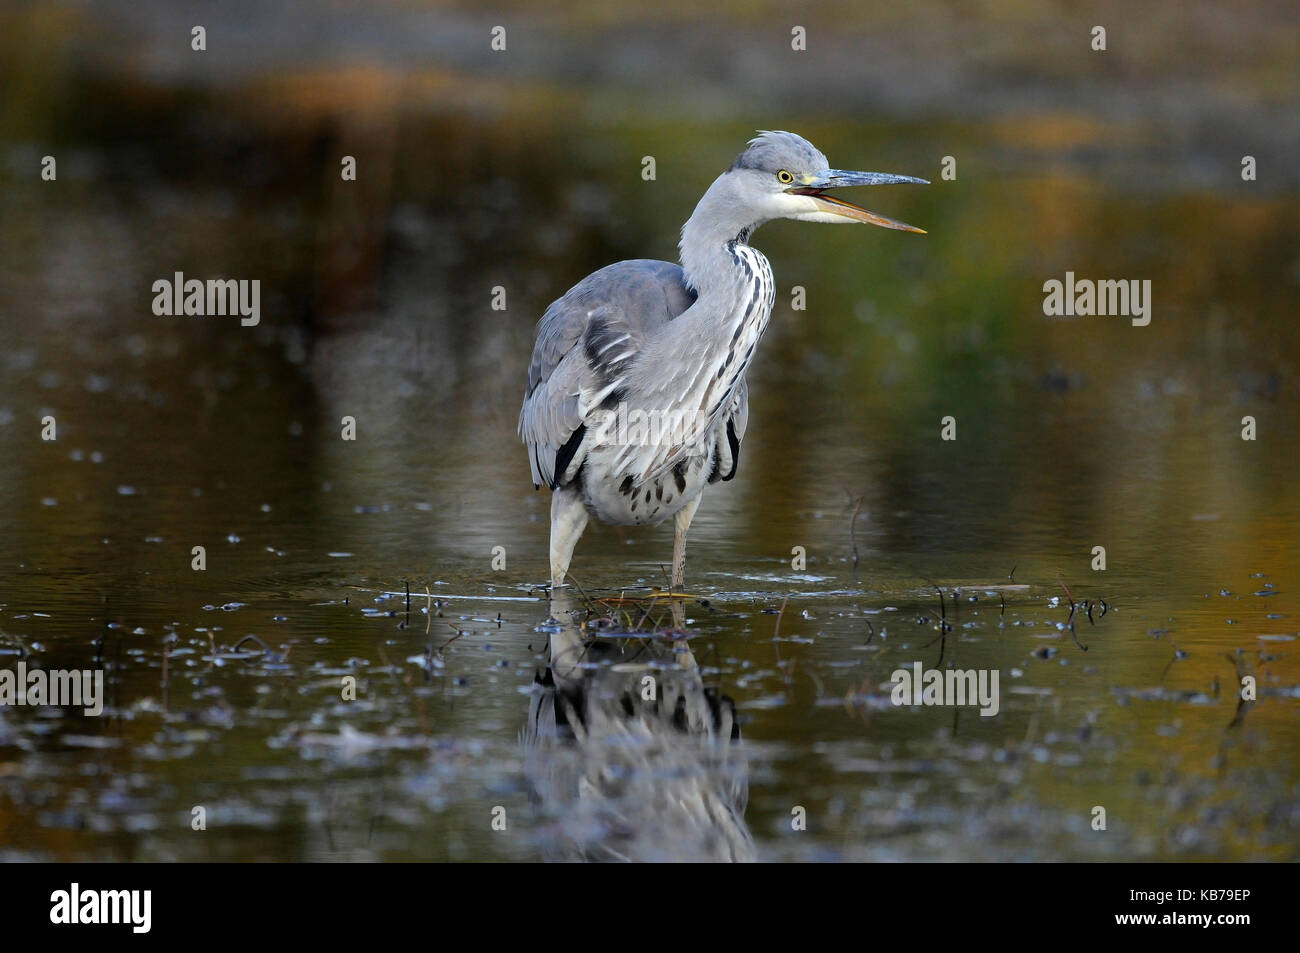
1071,433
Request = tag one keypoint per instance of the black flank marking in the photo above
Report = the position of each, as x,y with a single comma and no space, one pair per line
626,486
734,441
679,476
565,454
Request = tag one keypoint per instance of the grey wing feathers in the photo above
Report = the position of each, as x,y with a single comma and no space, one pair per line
585,341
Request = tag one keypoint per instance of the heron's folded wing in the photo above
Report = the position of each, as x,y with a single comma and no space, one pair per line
586,342
550,417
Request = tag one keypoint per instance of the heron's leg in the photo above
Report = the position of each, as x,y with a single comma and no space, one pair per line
567,654
682,521
568,520
682,653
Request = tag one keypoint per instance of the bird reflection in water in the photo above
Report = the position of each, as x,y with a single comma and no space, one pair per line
629,756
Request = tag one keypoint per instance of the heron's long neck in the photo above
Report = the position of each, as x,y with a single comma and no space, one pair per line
734,289
717,224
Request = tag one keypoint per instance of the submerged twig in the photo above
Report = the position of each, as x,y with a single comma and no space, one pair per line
459,634
1243,705
1060,581
265,648
944,627
777,630
582,592
943,612
853,536
1069,623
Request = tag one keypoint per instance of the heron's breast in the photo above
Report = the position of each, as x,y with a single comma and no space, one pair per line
748,320
616,498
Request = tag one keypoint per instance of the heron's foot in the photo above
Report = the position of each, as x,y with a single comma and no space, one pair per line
556,590
560,602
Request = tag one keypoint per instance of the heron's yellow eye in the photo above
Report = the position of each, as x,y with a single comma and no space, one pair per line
785,176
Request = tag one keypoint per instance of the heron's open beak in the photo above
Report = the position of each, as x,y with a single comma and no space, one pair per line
814,185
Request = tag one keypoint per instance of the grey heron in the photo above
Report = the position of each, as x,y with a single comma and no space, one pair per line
636,396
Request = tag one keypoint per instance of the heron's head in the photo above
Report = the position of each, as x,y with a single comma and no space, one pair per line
782,175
